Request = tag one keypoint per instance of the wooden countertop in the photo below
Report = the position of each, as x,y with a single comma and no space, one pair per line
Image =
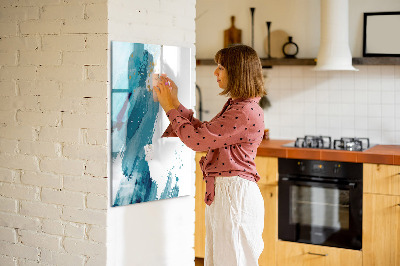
379,154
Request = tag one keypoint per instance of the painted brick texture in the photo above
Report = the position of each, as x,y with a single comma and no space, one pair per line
53,137
54,94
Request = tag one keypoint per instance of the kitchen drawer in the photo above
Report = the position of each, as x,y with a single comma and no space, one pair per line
298,254
381,230
267,168
381,179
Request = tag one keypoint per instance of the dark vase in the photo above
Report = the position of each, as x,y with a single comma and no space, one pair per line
290,49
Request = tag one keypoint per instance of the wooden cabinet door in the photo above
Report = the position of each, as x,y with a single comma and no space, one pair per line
381,179
267,168
381,230
200,207
297,254
270,233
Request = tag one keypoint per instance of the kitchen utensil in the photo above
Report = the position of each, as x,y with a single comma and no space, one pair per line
252,9
269,38
232,35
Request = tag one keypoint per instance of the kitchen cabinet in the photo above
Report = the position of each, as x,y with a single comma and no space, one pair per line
381,221
200,207
298,254
270,233
381,215
267,167
381,179
381,230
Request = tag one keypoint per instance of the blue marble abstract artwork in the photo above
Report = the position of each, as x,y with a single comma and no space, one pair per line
146,167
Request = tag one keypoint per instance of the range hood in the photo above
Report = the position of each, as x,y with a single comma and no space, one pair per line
334,51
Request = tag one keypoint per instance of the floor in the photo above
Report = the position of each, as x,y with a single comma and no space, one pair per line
199,262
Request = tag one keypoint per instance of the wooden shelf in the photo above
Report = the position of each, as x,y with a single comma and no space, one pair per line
376,61
312,61
268,63
288,62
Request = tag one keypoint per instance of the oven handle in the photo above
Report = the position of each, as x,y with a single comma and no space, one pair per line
297,181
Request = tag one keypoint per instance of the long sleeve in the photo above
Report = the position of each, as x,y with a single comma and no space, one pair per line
225,130
231,139
186,113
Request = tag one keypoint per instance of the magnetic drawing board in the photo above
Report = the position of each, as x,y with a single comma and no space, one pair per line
146,167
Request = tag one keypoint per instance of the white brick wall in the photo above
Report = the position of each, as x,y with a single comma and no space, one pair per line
53,138
53,124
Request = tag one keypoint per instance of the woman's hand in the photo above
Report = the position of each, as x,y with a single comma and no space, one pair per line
164,94
174,91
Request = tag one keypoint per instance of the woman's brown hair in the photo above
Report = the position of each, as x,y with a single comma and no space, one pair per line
245,78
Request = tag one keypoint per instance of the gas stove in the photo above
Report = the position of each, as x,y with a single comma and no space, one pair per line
325,142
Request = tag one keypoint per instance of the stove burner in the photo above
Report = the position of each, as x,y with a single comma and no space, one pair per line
308,141
324,142
351,144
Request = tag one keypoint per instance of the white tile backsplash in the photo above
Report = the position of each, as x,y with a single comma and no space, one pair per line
360,97
388,97
361,110
361,125
322,95
347,123
397,110
397,72
397,129
374,110
310,108
388,111
374,97
389,135
348,96
387,124
322,121
364,103
374,136
347,110
387,71
374,123
388,84
374,83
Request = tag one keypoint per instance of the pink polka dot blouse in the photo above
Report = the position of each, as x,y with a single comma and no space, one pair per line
231,139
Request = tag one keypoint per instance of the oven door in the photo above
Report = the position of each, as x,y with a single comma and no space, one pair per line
321,212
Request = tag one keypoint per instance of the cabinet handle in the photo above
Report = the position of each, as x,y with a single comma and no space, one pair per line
318,254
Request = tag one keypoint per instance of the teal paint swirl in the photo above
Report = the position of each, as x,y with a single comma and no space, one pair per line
137,186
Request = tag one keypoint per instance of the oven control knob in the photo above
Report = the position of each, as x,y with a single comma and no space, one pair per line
302,167
336,169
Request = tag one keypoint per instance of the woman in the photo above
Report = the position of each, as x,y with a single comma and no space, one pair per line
235,207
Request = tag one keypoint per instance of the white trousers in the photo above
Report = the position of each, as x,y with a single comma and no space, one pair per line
234,223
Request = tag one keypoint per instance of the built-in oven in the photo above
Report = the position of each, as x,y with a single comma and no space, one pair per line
320,202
